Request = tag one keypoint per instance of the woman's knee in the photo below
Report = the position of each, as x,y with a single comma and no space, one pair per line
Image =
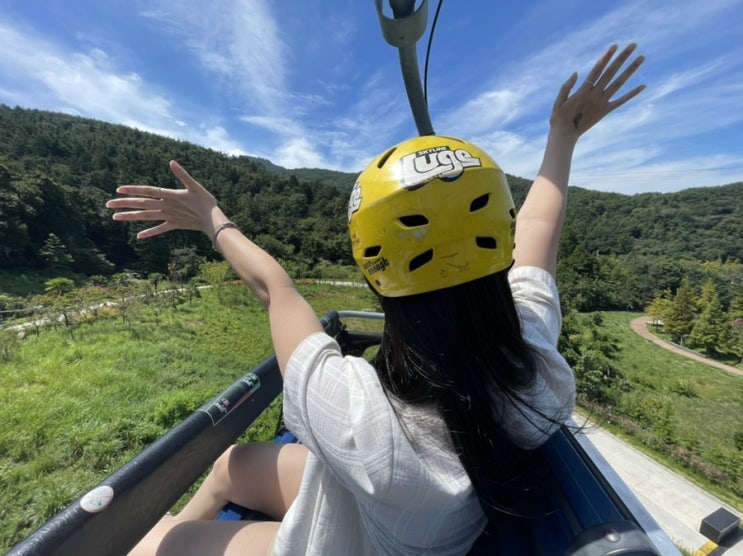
221,467
149,544
241,466
261,476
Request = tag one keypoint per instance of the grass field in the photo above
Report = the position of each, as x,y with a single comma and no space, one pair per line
75,407
687,414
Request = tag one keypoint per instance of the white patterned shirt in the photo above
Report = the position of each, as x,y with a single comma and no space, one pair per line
366,490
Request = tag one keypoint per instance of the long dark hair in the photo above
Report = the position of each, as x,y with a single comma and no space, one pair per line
460,349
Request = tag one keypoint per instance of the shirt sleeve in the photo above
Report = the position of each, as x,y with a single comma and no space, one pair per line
550,400
336,406
537,301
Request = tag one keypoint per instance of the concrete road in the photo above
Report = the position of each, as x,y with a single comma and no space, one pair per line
676,504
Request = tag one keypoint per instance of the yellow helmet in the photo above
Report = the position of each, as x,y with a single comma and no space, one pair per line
431,213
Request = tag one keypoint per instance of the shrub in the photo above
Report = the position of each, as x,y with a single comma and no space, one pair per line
685,388
655,413
8,345
738,440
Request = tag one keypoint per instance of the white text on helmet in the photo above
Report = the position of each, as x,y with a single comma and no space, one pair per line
355,201
439,162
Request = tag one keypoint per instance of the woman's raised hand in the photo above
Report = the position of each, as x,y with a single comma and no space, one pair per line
573,115
178,209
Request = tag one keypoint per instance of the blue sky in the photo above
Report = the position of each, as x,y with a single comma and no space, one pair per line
311,83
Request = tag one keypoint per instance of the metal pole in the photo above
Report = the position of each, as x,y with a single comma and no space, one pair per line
403,31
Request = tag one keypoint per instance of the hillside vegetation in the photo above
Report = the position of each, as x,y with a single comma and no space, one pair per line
57,171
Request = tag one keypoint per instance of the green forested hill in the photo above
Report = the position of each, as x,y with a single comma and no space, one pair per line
57,171
701,223
342,180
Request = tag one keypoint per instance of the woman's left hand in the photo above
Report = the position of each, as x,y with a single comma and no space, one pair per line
192,208
573,115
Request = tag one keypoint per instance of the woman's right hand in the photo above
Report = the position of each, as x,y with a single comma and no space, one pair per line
574,114
540,220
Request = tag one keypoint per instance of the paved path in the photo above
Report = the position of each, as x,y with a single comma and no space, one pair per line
676,504
639,325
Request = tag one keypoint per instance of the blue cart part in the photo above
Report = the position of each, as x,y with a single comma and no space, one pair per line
592,512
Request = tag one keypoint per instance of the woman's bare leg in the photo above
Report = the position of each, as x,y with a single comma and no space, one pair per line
259,476
201,538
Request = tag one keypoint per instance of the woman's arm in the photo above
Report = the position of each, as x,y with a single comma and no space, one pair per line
540,220
194,208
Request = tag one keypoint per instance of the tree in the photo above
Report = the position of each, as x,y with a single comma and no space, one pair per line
620,284
59,286
154,278
712,331
735,316
591,351
578,274
659,307
215,273
679,319
19,202
9,342
736,306
64,303
737,344
55,253
184,264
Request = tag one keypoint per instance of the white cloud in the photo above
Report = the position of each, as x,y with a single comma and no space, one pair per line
512,152
662,176
81,83
240,43
677,82
219,139
685,98
489,110
299,152
275,124
237,40
89,84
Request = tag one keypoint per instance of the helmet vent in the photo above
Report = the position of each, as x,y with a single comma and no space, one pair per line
372,251
413,220
383,159
420,260
486,242
480,202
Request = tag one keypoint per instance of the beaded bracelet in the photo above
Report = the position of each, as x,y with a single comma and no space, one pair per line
219,230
